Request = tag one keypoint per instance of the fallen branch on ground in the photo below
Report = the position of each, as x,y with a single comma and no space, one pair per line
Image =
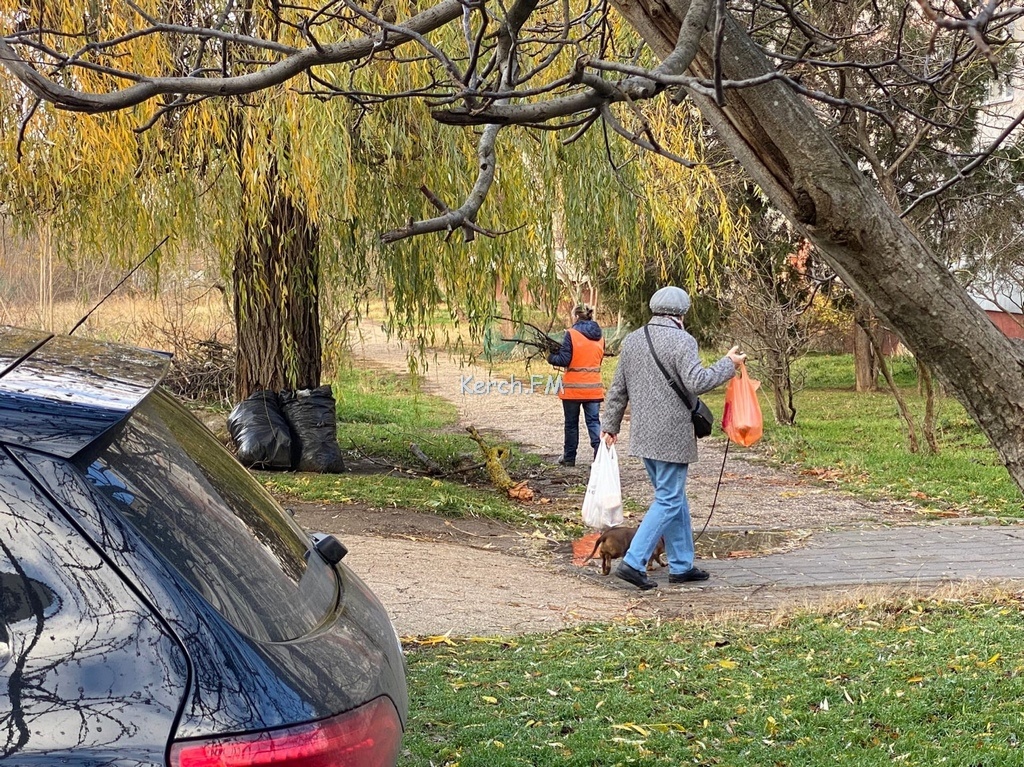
493,457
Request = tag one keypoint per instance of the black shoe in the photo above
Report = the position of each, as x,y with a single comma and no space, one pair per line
693,574
637,578
563,461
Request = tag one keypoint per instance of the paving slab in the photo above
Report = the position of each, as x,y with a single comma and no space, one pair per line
900,555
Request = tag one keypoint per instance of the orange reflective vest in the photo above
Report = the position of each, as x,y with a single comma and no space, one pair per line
582,379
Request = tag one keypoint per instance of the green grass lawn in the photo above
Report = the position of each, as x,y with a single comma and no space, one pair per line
923,683
379,415
860,440
444,498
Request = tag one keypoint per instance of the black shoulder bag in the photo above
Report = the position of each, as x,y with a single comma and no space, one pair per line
703,418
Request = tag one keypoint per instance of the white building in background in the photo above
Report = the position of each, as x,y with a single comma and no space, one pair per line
1002,295
1002,298
1006,102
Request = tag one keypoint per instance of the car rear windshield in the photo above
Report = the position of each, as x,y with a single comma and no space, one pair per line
214,523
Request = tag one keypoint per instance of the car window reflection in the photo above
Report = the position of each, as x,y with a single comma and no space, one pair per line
84,666
109,485
233,687
21,598
214,523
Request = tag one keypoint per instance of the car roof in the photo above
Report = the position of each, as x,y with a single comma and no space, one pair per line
59,394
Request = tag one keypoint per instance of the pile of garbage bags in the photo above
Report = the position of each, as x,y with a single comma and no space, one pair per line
287,430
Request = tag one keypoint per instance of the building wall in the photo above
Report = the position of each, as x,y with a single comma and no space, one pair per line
1012,325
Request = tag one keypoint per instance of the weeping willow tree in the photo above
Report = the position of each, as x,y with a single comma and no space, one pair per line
771,79
293,191
693,229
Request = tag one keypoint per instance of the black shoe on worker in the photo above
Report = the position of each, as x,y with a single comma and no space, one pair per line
637,578
693,574
563,461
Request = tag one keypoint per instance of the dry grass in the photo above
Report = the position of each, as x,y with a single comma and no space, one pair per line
193,323
44,290
148,321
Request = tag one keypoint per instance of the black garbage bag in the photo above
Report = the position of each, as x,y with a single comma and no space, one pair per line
311,415
261,432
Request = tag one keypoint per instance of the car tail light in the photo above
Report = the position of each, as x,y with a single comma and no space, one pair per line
368,736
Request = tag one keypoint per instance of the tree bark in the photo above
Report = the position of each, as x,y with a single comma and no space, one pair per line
782,387
924,375
865,363
781,143
277,304
905,414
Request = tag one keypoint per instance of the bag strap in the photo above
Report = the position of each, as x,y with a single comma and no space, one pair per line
677,387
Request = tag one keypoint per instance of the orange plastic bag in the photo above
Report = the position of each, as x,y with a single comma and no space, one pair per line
741,420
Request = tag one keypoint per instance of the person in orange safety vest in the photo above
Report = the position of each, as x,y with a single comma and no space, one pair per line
581,354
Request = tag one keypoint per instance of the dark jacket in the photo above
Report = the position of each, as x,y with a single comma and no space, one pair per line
563,356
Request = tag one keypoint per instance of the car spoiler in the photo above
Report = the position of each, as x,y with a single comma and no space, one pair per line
59,394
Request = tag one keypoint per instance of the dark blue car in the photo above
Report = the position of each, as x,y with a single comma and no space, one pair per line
157,607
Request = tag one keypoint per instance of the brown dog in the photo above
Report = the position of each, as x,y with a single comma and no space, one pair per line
614,542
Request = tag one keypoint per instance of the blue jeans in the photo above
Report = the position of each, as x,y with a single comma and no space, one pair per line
592,416
668,518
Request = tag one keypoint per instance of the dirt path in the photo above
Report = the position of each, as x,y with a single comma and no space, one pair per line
477,577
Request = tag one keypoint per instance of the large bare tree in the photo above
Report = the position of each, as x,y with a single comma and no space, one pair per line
780,83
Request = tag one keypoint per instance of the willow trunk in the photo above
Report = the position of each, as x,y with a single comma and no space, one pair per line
277,306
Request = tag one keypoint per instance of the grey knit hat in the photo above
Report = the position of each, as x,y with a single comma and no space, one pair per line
672,301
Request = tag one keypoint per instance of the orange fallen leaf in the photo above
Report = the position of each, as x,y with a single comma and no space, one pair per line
520,492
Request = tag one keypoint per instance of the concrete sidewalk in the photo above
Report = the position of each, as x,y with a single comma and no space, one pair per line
896,555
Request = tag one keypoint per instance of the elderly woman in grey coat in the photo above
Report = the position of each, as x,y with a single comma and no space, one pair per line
661,430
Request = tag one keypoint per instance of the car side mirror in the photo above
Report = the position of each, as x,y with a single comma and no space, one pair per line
329,547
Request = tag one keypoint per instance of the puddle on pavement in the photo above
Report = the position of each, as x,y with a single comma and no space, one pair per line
718,544
723,544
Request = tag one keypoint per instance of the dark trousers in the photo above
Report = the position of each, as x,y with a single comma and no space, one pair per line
592,416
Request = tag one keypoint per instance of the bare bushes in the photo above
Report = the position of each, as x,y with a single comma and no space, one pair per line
195,325
201,369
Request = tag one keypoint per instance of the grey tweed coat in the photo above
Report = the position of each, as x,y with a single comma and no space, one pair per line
660,426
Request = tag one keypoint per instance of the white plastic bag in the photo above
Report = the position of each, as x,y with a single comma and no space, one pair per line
602,505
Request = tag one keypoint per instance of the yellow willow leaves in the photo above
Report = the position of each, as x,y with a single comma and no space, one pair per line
684,200
316,131
219,161
904,629
446,639
646,729
648,213
101,21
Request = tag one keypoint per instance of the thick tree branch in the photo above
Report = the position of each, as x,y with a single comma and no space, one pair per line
274,74
465,215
